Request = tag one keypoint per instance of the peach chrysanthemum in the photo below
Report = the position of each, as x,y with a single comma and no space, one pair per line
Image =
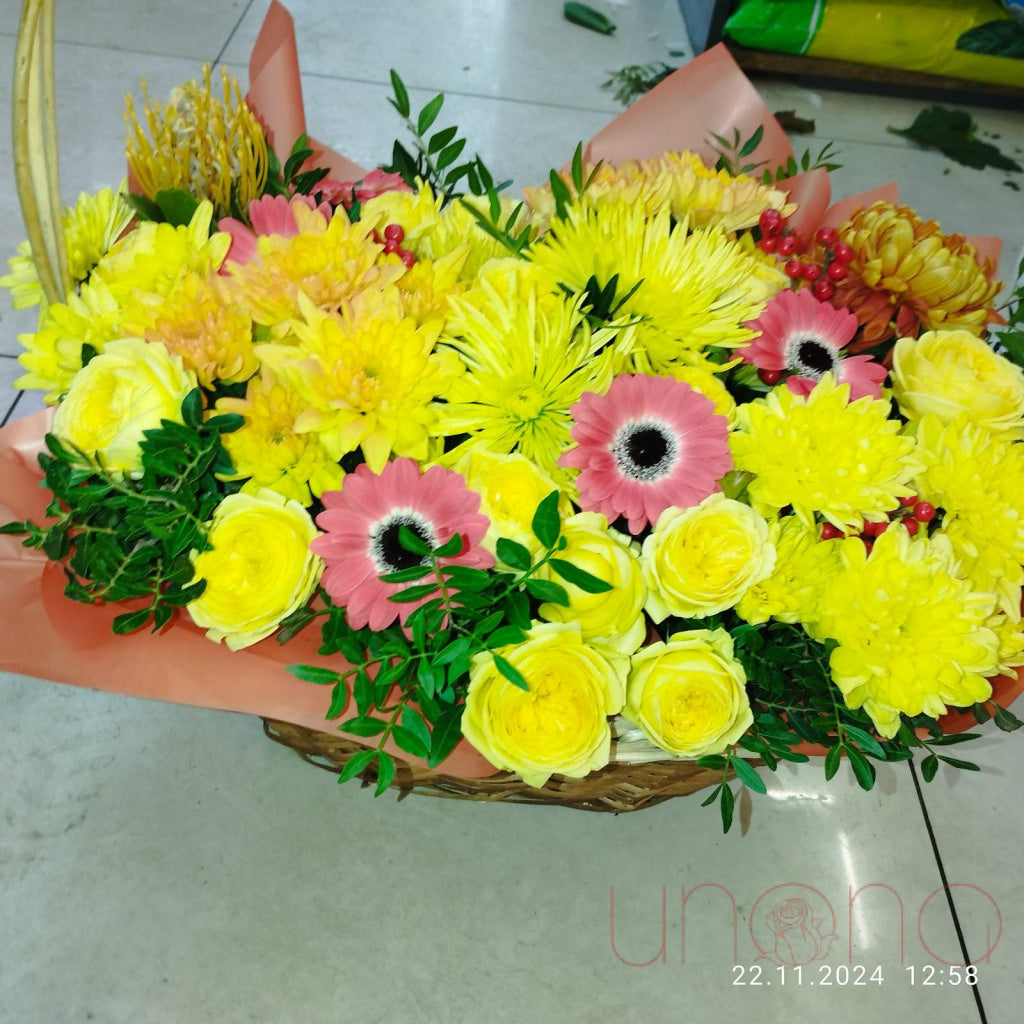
268,449
906,276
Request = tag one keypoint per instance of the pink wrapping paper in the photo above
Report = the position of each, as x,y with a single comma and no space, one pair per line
49,636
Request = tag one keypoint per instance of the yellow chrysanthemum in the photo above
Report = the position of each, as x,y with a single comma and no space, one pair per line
684,291
912,634
417,213
709,384
428,284
207,146
268,449
199,322
154,256
91,227
1010,633
804,564
529,358
978,479
823,453
54,352
326,263
682,183
906,272
368,378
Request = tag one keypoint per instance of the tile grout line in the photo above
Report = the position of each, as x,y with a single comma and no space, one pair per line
10,411
945,885
231,34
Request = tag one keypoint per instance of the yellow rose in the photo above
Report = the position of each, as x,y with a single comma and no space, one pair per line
129,387
561,723
510,488
952,372
702,560
689,695
614,618
259,571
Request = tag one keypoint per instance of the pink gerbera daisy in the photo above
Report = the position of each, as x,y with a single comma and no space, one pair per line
806,337
269,215
649,443
361,544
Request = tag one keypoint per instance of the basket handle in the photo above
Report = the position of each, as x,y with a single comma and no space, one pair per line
34,127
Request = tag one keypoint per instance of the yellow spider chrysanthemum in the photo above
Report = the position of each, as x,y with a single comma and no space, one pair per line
528,357
368,378
54,352
684,291
207,146
268,449
978,479
803,566
91,227
912,634
199,322
682,183
823,453
326,263
154,256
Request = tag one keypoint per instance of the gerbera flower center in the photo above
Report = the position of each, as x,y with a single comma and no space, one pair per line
385,547
645,450
810,356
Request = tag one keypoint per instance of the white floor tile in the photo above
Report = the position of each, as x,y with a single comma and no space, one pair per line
170,864
515,49
184,28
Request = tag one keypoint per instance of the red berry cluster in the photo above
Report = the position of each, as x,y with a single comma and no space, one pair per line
912,513
821,276
394,235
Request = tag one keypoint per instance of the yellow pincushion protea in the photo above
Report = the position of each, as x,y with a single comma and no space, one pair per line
208,146
91,227
977,478
198,322
269,451
824,454
326,263
912,633
683,291
368,378
681,183
906,272
803,566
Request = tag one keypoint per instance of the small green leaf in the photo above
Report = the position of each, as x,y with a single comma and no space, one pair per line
410,575
712,796
547,524
865,740
385,773
415,724
505,636
1006,720
314,674
863,769
130,621
929,766
747,775
429,114
714,761
441,139
727,805
447,733
832,759
177,206
510,672
450,154
585,16
586,582
409,741
412,541
517,609
753,142
545,590
363,726
413,593
144,206
356,764
401,100
451,547
513,554
967,766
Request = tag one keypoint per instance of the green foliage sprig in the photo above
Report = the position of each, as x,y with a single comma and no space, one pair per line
128,538
1011,337
409,683
733,153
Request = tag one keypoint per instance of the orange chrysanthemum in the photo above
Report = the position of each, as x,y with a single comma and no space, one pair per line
906,276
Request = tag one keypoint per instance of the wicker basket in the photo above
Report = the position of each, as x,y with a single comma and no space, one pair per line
624,785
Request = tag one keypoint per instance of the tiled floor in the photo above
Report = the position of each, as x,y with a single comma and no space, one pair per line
166,864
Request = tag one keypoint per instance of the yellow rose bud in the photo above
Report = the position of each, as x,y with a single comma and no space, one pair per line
510,488
689,695
260,568
129,387
702,560
953,372
614,618
560,725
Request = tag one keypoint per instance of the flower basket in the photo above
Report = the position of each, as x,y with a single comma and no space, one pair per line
498,502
